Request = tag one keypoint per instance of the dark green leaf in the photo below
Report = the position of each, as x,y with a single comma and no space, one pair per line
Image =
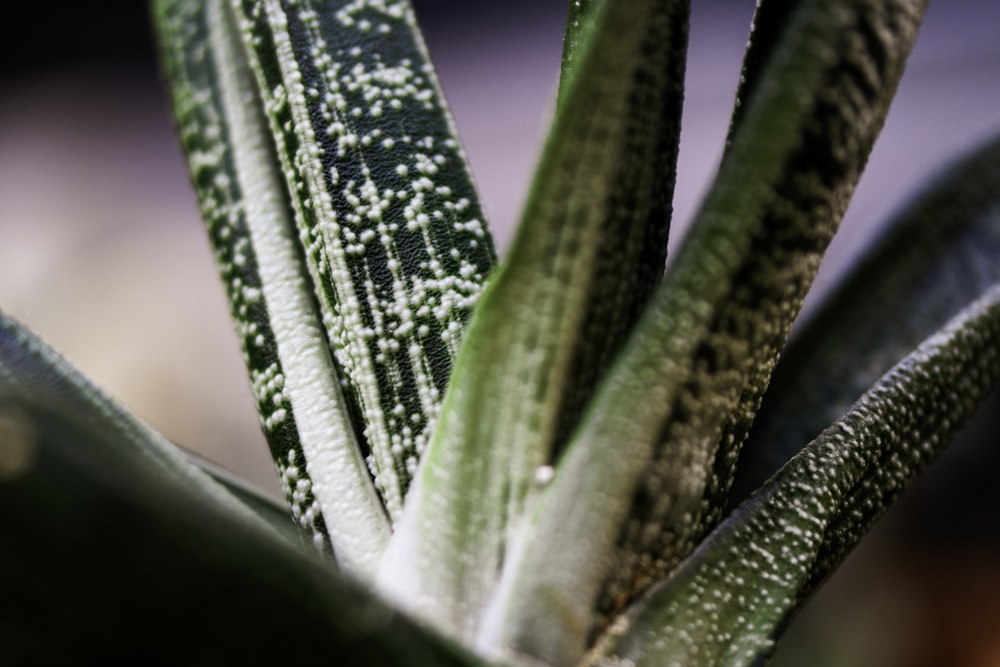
940,252
647,472
109,558
247,211
578,20
590,250
272,511
770,20
393,235
726,602
30,371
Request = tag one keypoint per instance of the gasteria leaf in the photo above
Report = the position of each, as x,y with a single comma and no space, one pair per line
245,204
939,253
33,374
578,20
560,505
392,232
589,252
273,511
645,474
726,601
125,556
771,19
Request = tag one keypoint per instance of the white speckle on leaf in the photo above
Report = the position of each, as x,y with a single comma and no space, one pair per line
359,97
543,475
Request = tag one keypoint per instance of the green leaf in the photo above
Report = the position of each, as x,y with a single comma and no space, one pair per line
939,253
590,250
392,231
578,20
111,556
771,19
272,511
645,475
33,373
727,601
246,207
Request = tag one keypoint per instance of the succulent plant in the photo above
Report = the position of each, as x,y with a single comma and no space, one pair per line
589,453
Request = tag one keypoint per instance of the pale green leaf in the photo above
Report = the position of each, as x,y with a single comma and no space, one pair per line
646,474
727,601
590,250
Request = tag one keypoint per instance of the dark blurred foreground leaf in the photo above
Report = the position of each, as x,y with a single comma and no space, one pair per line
271,510
105,557
115,547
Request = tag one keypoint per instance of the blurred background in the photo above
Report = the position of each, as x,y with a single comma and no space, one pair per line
102,253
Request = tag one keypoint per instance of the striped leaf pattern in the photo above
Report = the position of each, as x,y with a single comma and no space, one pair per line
547,486
245,206
348,233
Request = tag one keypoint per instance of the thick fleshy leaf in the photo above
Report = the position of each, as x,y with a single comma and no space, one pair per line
590,250
246,207
940,252
646,474
578,19
271,510
727,601
31,371
110,556
771,18
393,234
